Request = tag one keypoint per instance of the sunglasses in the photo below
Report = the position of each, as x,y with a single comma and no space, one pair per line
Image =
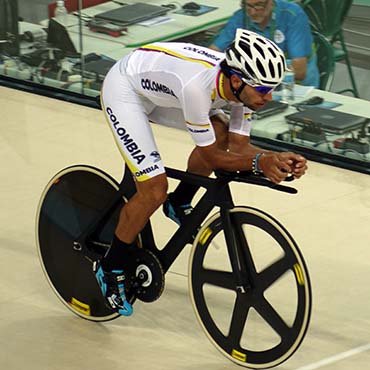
264,90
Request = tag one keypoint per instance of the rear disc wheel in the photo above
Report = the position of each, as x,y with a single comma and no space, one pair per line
70,202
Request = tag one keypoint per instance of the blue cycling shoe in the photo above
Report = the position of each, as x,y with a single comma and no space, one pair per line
176,213
113,289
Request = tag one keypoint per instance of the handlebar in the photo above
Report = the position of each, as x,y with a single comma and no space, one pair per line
241,176
256,179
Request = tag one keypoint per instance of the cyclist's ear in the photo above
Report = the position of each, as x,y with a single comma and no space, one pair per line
236,81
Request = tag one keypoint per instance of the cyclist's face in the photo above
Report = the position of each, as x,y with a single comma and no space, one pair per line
254,99
259,10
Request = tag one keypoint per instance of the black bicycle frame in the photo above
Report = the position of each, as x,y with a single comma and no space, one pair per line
217,194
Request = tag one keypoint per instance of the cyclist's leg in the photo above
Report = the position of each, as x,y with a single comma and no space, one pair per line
126,115
134,215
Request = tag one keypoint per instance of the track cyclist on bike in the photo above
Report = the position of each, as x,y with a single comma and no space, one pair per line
185,84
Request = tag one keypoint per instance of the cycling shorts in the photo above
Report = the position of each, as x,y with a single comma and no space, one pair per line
128,118
130,115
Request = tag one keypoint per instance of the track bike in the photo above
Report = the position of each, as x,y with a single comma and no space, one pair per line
248,281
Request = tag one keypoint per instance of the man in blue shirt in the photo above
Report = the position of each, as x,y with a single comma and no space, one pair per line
287,25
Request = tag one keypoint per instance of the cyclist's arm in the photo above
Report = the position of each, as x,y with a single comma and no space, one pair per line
274,166
241,144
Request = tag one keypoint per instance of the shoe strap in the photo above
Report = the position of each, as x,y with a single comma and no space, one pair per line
114,277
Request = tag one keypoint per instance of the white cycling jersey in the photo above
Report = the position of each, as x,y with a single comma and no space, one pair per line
169,83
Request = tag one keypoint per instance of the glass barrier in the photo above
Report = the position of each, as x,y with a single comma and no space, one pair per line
70,54
74,51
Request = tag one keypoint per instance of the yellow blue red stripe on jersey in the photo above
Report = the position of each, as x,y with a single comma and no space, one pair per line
248,116
159,49
198,124
220,85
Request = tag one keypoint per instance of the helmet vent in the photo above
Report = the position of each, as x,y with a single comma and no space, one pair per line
272,69
249,71
280,69
261,68
246,48
282,61
257,58
273,53
260,50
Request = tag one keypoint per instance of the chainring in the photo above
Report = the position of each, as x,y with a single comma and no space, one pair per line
144,275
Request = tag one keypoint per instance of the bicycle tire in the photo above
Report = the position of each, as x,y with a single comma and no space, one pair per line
275,278
70,201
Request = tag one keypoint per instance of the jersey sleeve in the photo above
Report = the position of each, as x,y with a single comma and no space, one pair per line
196,104
240,120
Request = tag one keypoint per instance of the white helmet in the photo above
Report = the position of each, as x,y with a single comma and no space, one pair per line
259,60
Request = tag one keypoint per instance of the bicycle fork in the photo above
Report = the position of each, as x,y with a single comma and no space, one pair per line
238,260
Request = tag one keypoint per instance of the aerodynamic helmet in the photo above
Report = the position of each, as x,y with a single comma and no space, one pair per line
258,60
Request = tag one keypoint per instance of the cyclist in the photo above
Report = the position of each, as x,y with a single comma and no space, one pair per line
181,83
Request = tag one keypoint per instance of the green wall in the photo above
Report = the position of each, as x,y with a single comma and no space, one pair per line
361,2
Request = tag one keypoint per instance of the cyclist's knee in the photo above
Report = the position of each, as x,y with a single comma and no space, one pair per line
158,194
154,190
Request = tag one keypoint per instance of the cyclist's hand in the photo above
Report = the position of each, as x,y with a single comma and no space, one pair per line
277,166
299,166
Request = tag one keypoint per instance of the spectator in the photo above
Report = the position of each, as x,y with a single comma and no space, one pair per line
283,22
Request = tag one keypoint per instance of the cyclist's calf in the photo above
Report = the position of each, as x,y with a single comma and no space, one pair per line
153,191
135,214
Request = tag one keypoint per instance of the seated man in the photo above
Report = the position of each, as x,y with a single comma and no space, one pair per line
287,25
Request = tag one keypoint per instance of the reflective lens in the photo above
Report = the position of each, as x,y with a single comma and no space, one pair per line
263,89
